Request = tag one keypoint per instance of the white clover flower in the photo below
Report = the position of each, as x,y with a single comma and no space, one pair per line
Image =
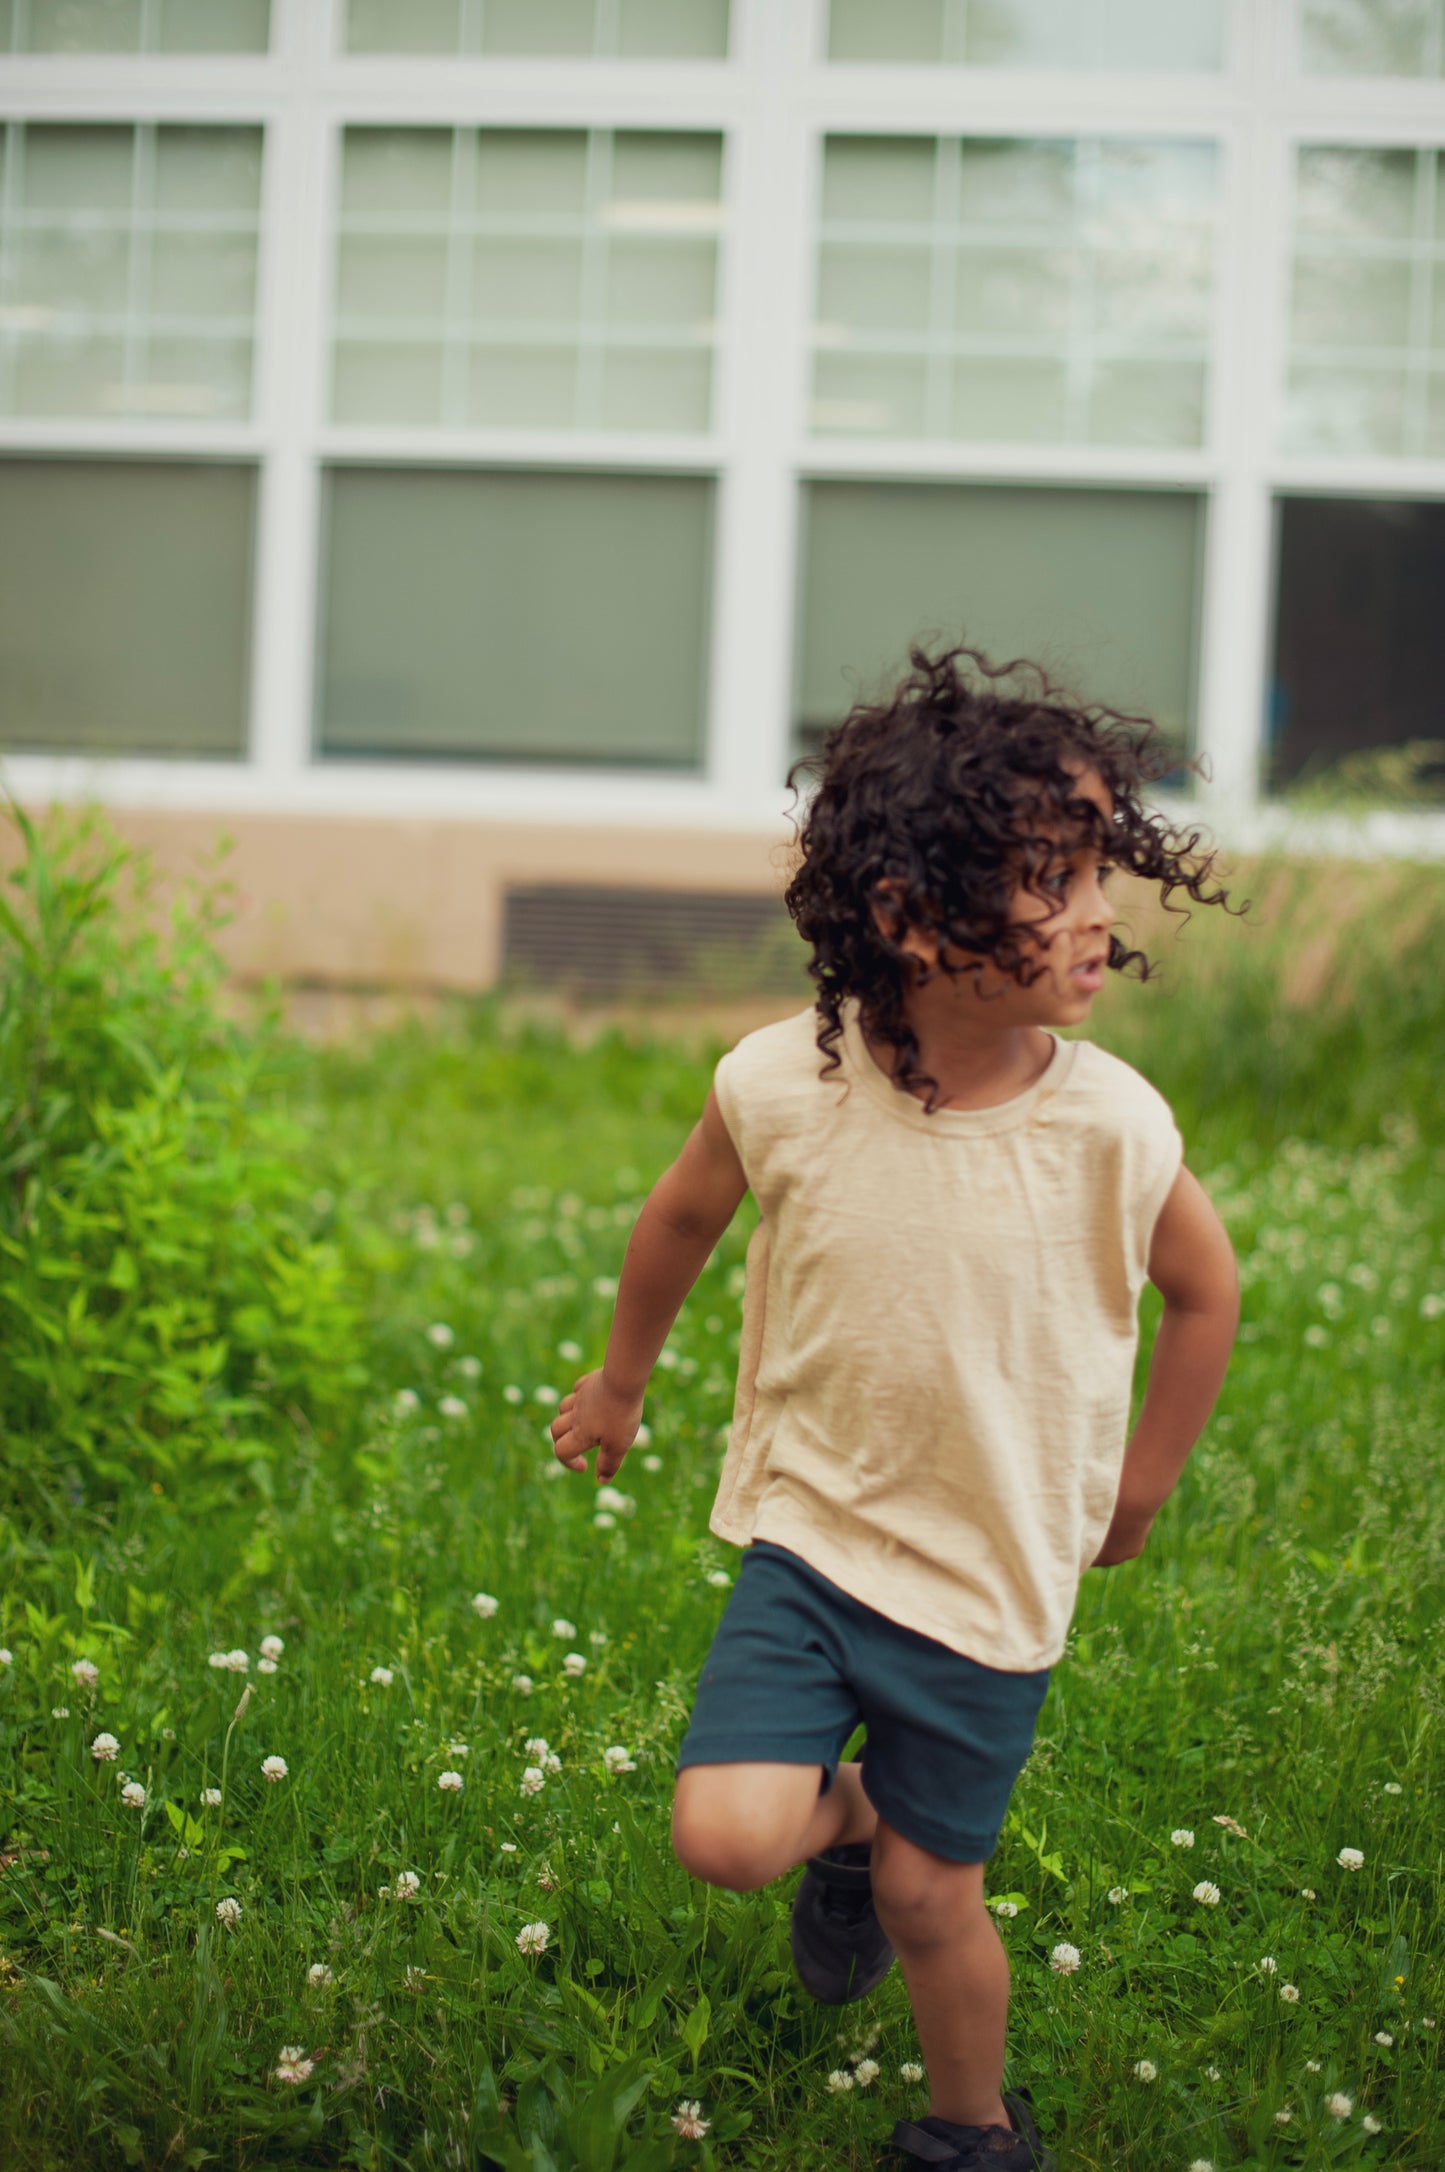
235,1662
1383,2036
217,1659
532,1938
612,1497
910,2071
452,1406
719,1579
1350,1859
618,1759
1289,1992
1145,2070
406,1402
569,1350
1317,1337
1338,2105
604,1286
105,1749
564,1629
1284,2115
545,1395
440,1336
133,1794
470,1368
866,2072
1202,2164
408,1885
689,2122
86,1672
450,1783
533,1780
60,1711
551,1762
274,1768
484,1604
1065,1959
1004,1907
414,1978
318,1975
1370,2124
522,1684
1392,1787
272,1647
228,1911
292,2064
382,1676
1268,1965
211,1797
1307,1892
603,1521
574,1664
536,1746
511,1394
459,1749
597,1638
652,1463
265,1666
1206,1894
1212,2073
1312,2066
1182,1837
7,1657
839,2081
1117,1895
1427,2021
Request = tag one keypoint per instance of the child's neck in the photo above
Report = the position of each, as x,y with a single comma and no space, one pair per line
977,1064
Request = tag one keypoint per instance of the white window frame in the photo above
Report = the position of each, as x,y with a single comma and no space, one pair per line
774,101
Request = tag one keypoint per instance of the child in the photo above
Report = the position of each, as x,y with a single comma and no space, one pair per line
959,1210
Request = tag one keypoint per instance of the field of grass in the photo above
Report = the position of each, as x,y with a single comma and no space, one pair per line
1233,1812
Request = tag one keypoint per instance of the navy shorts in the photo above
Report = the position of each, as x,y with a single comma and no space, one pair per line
797,1665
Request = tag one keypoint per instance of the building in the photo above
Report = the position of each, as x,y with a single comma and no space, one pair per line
463,446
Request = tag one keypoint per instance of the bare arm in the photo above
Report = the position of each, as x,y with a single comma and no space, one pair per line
1191,1264
685,1213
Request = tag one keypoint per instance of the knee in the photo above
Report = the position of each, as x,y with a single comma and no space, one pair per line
921,1900
716,1851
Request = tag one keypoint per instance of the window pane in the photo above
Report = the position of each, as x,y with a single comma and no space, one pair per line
127,26
125,605
1360,637
1124,34
522,617
401,173
84,26
1370,37
403,26
538,26
879,178
673,29
77,169
1010,399
1098,585
634,29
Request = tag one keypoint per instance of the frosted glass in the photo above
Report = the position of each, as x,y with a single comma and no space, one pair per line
214,26
391,276
644,389
527,281
1153,293
1366,37
1099,584
1016,183
1146,403
83,375
673,29
531,171
538,26
885,30
881,288
402,26
522,388
125,605
387,381
203,275
879,177
527,617
868,395
1010,398
85,26
72,271
1350,302
1330,409
1364,195
208,169
77,168
667,170
661,282
193,377
397,171
1013,290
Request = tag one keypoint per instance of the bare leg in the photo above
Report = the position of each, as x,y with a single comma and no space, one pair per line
743,1825
956,1971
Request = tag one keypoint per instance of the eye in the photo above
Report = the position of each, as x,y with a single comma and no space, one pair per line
1106,869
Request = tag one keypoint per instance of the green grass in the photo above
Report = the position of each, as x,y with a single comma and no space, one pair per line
1274,1660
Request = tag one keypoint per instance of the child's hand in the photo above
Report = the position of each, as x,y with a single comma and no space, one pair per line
595,1416
1125,1538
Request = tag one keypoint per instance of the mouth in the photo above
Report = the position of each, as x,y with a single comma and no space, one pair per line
1088,974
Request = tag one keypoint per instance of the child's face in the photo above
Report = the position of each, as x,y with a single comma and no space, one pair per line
1066,947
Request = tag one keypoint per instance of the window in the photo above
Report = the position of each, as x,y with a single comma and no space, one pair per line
518,616
1025,290
605,29
1099,586
129,255
1183,34
1367,318
1359,651
1372,37
134,26
549,279
125,605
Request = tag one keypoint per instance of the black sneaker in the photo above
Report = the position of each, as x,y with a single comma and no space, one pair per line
937,2142
839,1947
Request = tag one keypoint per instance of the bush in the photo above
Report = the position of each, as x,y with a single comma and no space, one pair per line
166,1310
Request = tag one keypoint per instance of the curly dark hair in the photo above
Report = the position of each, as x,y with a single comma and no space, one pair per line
956,792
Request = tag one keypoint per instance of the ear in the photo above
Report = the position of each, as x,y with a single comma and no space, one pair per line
912,940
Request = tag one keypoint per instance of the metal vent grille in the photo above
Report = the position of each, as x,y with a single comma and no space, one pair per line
599,940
